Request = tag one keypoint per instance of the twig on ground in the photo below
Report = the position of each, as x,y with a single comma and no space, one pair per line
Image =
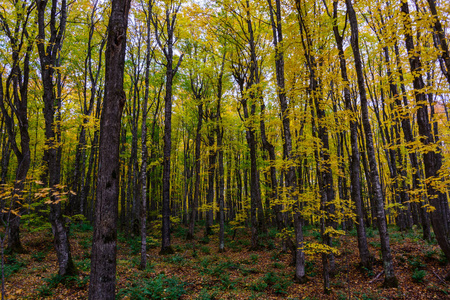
376,277
439,277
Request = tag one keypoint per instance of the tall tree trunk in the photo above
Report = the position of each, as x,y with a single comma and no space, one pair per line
440,41
389,280
355,177
48,54
144,150
432,159
167,48
194,208
211,171
17,82
103,260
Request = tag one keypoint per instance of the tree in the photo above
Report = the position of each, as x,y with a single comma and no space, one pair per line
389,277
103,260
364,254
49,55
165,37
17,83
432,158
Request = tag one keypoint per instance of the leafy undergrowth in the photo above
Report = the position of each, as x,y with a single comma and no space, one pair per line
198,271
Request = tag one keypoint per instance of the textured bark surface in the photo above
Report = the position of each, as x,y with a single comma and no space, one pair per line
49,59
221,180
440,41
15,95
431,159
103,260
390,280
165,42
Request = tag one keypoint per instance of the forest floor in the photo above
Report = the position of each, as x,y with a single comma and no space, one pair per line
198,271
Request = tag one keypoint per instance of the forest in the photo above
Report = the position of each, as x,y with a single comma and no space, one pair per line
224,149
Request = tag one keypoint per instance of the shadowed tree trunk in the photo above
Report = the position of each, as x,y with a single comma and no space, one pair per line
390,280
432,159
165,40
221,181
49,60
194,208
17,83
103,260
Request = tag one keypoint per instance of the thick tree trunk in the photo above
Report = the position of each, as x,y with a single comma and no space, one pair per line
103,260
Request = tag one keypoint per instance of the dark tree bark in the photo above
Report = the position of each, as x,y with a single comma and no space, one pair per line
212,155
190,234
166,42
246,72
6,154
408,134
48,55
77,203
432,159
440,41
144,150
221,180
323,166
134,111
17,83
90,178
103,260
390,279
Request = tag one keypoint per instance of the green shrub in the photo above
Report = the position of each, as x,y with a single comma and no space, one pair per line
258,286
176,259
205,249
254,258
52,283
233,245
418,275
12,265
84,265
160,287
205,295
39,256
430,253
279,283
416,263
270,245
277,265
218,269
226,282
370,232
275,255
442,258
86,243
180,232
310,268
82,227
205,240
